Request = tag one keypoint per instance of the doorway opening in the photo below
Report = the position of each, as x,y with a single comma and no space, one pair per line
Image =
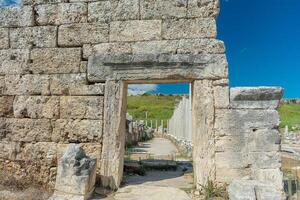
158,137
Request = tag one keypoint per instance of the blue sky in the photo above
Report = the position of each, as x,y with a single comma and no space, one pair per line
262,39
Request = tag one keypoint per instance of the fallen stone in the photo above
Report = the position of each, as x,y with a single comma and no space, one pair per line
76,175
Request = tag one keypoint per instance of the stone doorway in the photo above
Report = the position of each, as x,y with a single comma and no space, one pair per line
204,72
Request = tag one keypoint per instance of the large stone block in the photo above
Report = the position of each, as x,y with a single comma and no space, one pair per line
200,8
6,106
4,38
198,46
16,16
36,2
99,11
230,143
159,67
265,160
40,36
155,47
81,107
221,95
106,49
135,30
74,84
125,10
76,175
255,97
36,107
62,13
264,140
27,85
243,122
14,61
66,131
233,160
161,9
189,28
272,176
55,60
84,33
227,175
28,130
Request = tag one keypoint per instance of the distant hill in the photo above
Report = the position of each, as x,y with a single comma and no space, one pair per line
157,106
289,115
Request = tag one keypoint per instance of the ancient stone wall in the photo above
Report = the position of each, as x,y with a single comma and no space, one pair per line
64,69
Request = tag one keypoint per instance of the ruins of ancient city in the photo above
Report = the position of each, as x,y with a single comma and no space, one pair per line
66,134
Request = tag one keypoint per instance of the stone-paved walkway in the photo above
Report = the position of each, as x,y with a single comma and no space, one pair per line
157,185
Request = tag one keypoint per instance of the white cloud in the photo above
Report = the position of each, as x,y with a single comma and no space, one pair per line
137,89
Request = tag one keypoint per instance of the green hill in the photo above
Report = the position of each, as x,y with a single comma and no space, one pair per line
158,107
289,115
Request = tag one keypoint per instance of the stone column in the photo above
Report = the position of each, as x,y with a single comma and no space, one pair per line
112,155
203,132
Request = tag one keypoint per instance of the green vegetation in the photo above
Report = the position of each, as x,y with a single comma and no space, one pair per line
158,107
290,115
212,190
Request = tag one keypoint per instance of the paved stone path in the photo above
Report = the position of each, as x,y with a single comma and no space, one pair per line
157,185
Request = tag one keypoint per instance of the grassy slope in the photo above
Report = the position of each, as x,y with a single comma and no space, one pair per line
290,115
159,107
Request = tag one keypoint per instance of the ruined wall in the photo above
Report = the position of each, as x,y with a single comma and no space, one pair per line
62,72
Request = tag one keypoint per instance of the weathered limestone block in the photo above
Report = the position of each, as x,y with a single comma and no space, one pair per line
84,33
55,60
265,160
76,175
264,140
14,61
27,85
99,11
4,38
106,49
189,28
201,46
135,30
272,176
155,47
81,107
3,130
221,82
62,13
255,97
74,84
77,131
161,9
241,122
125,10
6,148
233,160
206,8
40,36
253,190
6,106
221,95
235,143
203,136
112,159
36,107
227,175
175,66
16,16
36,2
28,130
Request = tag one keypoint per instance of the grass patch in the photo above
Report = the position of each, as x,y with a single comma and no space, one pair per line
158,107
289,115
212,190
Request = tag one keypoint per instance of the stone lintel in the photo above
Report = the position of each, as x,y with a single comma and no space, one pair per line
255,97
134,67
